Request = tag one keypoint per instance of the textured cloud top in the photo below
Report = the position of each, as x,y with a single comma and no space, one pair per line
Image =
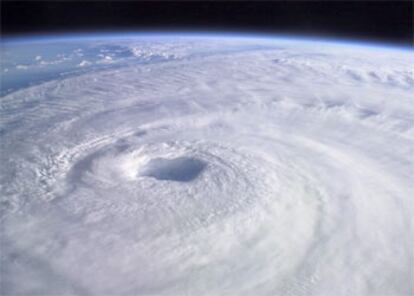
206,166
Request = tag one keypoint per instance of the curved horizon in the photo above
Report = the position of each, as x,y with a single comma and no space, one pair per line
118,34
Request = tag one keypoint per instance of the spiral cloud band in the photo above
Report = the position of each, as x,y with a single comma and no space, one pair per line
210,166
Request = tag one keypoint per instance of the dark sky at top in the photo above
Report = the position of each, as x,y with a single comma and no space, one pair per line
384,21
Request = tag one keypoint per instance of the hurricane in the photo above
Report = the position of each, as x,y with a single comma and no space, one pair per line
206,165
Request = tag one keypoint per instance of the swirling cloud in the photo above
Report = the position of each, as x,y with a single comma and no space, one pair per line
261,167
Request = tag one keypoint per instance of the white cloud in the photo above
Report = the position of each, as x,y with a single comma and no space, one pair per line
22,67
106,59
84,63
254,172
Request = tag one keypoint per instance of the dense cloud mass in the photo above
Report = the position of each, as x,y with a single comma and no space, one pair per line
206,166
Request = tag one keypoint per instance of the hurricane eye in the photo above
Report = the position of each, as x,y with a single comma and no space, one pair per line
181,169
